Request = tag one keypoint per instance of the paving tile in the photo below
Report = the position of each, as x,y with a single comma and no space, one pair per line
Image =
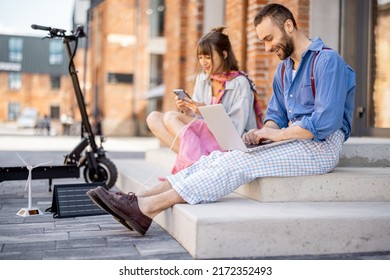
160,247
26,255
91,253
23,227
74,227
137,239
159,257
100,233
81,243
10,221
24,238
10,232
30,246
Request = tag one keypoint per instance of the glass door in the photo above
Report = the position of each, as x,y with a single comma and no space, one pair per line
379,96
365,44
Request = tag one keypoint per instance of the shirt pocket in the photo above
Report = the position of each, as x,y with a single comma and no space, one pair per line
305,95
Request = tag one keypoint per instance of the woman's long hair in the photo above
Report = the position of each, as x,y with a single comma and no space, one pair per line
219,41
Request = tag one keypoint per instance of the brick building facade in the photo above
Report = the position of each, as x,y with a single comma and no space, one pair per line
33,74
140,50
121,50
180,61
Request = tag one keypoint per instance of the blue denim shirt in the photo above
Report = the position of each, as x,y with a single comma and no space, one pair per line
332,107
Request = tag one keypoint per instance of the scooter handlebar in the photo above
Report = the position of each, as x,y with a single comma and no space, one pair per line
40,27
54,32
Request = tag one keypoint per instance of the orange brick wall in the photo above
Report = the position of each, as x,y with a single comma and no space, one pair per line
183,28
259,64
116,101
183,20
182,33
236,21
121,103
35,92
175,57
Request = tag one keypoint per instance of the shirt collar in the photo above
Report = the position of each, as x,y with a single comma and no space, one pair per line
316,45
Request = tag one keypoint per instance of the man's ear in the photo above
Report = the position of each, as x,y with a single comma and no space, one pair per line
225,54
288,26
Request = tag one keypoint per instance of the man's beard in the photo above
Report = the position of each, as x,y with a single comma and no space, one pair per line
287,46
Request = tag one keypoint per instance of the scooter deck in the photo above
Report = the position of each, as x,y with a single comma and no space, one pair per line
40,172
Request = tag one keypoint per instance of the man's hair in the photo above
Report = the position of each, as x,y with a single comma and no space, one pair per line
278,14
219,41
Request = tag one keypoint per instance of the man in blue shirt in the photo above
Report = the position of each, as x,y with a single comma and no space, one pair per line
312,102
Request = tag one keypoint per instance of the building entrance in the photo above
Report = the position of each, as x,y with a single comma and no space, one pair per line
366,45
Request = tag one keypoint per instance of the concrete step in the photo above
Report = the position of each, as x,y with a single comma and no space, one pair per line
357,152
366,152
343,184
238,226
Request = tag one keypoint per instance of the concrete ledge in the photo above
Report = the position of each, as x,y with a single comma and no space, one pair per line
162,157
236,227
357,152
343,184
365,154
239,227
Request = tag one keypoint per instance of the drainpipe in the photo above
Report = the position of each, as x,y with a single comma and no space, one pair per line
136,128
244,35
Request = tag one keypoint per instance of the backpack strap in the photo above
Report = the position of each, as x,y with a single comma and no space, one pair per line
313,88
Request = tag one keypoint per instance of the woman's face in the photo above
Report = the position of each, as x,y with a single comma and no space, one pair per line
210,66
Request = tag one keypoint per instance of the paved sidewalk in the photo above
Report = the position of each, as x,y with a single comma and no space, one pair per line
92,237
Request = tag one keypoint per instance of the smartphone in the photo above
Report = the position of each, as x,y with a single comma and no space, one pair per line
182,94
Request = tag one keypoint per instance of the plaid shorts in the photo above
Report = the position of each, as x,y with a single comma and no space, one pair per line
220,173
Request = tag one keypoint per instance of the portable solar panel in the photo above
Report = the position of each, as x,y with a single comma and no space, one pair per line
71,200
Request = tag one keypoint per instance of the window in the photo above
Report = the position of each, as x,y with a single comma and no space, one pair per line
56,52
156,13
55,82
13,110
15,49
55,112
156,70
14,81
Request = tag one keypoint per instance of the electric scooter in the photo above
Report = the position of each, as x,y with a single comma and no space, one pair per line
87,154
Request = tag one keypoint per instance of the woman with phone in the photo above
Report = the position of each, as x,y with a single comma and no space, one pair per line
219,81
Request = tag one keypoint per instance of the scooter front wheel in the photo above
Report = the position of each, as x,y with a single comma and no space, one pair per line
107,172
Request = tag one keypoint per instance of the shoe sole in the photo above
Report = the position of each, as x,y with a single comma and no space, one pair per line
119,213
92,195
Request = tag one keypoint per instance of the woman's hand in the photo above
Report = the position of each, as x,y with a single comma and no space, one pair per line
189,104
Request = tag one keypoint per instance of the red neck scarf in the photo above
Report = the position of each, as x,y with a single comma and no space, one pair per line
222,78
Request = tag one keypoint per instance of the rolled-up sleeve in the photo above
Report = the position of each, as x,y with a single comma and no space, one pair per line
331,86
276,109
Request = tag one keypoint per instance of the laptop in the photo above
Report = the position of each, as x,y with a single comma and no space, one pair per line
224,131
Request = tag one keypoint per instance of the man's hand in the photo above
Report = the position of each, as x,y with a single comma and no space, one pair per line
274,133
256,136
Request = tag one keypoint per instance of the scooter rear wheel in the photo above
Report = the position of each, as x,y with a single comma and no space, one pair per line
107,172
